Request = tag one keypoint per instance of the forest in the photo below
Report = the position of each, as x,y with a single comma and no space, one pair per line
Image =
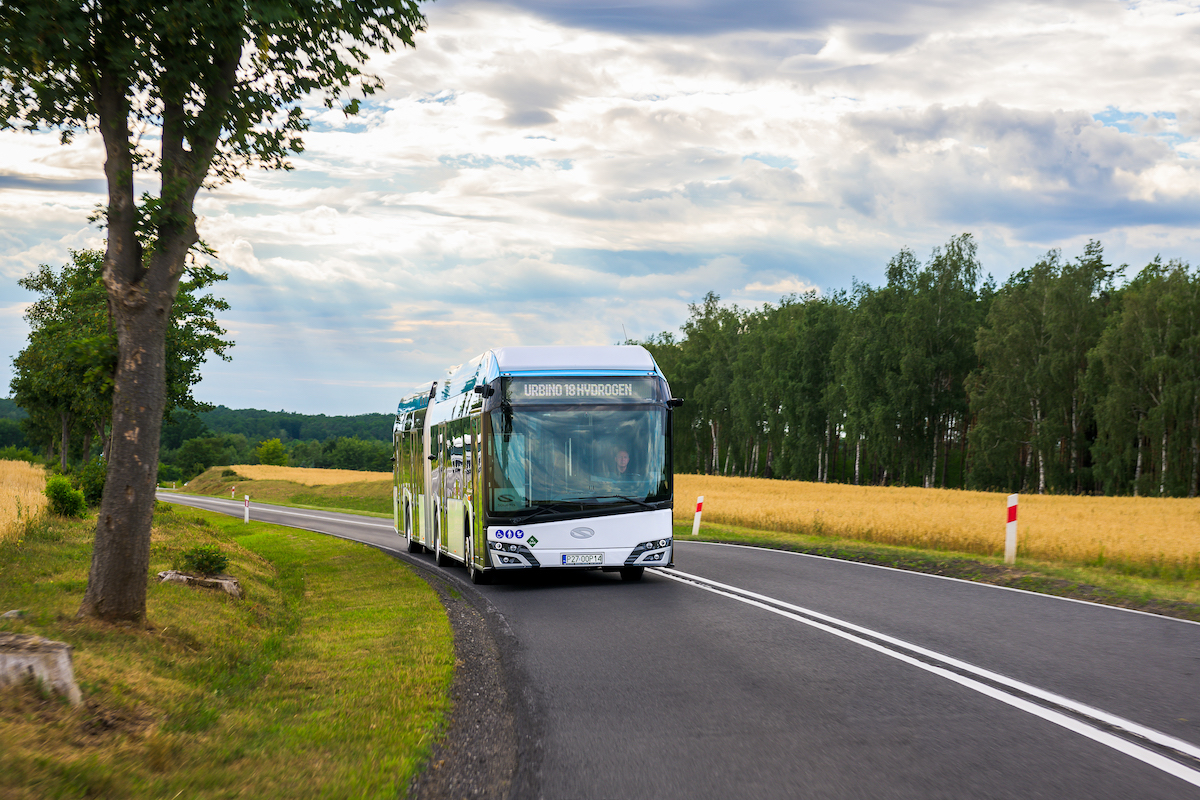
191,443
194,441
1071,377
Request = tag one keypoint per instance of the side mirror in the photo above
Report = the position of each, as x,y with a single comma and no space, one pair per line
675,402
485,390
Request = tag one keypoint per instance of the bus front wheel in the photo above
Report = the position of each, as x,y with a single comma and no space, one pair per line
478,576
632,573
413,545
439,558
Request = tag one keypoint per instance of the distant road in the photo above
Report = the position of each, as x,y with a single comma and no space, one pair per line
750,673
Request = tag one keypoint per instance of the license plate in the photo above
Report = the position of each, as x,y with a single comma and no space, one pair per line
576,559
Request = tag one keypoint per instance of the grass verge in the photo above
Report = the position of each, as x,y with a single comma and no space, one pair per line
1172,598
329,678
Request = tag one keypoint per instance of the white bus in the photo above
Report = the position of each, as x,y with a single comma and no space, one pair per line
539,457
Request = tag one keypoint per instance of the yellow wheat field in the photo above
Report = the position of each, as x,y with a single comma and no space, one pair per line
1143,531
22,496
307,477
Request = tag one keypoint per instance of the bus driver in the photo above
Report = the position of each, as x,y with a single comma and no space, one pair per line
622,464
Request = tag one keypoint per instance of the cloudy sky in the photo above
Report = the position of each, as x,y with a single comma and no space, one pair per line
558,172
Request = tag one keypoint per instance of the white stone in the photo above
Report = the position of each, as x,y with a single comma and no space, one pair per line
24,655
223,582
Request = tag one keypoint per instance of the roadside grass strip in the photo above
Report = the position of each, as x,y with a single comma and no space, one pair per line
329,678
1167,753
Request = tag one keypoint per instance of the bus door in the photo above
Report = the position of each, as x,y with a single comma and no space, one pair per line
440,466
425,498
455,488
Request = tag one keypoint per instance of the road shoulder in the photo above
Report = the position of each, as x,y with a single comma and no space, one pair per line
491,748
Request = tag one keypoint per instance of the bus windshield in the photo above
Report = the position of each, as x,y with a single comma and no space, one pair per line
577,458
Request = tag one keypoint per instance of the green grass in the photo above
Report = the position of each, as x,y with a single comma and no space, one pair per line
330,678
372,498
372,506
1109,585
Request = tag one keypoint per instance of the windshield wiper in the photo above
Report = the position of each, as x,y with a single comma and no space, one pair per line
625,497
549,508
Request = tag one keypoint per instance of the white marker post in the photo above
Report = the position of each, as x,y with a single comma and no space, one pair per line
232,489
696,523
1010,532
246,516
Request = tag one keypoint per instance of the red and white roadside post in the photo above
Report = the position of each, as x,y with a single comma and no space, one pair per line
232,489
696,522
246,515
1010,532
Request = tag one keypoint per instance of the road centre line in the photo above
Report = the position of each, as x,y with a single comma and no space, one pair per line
280,510
1084,720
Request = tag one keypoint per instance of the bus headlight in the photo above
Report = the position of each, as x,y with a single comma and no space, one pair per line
644,547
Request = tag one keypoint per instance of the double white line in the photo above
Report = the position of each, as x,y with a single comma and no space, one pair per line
1159,750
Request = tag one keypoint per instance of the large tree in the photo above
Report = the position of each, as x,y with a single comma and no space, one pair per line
216,85
65,372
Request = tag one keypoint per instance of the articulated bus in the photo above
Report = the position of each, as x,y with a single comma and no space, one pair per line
539,457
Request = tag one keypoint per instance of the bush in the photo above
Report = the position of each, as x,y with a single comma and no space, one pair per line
206,559
272,452
91,480
13,453
65,500
169,472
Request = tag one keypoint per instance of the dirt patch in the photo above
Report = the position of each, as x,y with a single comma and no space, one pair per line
90,725
99,722
997,575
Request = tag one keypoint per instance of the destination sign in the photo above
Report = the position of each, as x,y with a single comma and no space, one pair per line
557,390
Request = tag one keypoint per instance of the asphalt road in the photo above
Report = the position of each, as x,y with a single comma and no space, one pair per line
750,673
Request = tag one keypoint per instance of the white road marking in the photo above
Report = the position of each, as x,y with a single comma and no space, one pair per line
811,618
278,510
949,578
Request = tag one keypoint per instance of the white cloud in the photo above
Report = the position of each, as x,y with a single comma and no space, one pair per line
572,178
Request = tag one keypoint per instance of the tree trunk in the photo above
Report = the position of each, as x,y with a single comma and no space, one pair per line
931,478
121,557
834,441
1195,451
946,451
962,455
65,438
1162,475
1137,471
1075,471
101,428
1037,439
714,429
140,295
857,459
